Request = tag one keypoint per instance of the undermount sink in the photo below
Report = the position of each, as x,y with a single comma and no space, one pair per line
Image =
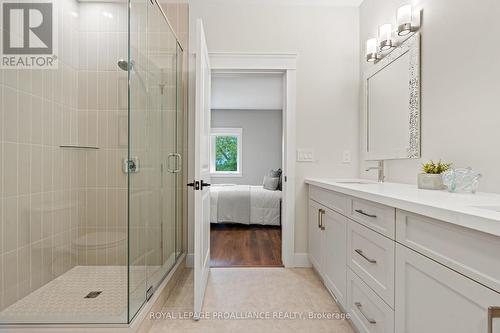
354,182
492,208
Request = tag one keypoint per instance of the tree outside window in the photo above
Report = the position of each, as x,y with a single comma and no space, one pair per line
226,151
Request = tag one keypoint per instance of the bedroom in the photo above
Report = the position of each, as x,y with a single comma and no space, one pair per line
246,163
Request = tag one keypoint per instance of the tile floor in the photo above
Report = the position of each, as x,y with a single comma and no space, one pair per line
243,290
62,300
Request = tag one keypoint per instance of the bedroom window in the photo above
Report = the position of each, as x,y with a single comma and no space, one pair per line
225,152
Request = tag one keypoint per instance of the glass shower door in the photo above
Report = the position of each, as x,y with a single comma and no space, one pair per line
153,160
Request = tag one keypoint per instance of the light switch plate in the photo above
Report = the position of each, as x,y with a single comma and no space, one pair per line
305,155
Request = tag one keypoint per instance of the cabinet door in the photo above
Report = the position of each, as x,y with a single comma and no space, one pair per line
314,235
432,298
334,254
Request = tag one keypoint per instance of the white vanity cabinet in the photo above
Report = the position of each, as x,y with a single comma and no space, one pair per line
327,250
405,271
432,298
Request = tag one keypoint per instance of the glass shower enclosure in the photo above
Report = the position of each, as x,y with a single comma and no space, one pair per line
91,166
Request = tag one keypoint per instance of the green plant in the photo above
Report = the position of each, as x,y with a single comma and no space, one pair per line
226,153
435,168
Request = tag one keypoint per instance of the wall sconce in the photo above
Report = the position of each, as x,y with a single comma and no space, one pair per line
385,37
405,20
371,50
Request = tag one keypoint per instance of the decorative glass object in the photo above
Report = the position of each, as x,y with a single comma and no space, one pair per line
461,180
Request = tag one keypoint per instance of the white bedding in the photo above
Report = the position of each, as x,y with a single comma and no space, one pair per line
244,204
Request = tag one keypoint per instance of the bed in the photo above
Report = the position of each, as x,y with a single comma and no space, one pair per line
245,204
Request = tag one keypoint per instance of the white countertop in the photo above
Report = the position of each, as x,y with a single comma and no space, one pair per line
464,209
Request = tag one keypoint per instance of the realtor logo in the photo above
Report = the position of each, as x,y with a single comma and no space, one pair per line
29,37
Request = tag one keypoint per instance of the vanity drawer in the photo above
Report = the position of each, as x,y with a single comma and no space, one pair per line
371,256
368,312
373,215
330,199
469,252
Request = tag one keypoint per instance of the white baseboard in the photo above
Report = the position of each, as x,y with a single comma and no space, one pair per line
190,260
301,260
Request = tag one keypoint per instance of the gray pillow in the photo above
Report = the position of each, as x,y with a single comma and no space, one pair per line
271,183
276,174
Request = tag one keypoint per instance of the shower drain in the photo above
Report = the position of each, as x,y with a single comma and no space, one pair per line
93,294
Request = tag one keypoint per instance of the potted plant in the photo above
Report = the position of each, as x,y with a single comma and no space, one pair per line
431,178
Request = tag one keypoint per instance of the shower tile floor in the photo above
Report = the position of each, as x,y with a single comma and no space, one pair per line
62,300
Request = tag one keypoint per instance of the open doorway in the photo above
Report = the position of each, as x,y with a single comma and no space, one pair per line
246,163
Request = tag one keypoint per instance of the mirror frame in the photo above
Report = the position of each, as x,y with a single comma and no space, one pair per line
412,46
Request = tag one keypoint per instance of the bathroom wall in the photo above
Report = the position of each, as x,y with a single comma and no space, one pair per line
40,183
460,85
102,110
53,198
325,37
262,142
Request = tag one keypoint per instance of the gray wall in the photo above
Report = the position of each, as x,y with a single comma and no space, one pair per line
460,113
262,142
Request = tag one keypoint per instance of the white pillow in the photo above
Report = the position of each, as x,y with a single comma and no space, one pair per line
271,183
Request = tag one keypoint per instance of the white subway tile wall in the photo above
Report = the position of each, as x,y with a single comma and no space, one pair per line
58,205
50,197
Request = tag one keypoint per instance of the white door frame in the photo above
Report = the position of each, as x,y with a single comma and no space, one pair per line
285,63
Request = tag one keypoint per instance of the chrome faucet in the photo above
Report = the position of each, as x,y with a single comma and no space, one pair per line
380,168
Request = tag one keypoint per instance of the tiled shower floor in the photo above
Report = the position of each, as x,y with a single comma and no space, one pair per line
62,300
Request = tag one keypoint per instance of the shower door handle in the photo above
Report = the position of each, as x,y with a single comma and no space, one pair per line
178,161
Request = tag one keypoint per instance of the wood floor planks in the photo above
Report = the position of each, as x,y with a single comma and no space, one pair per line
236,245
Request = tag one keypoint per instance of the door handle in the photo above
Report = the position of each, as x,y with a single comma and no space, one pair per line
493,312
195,185
203,184
360,252
168,162
178,161
360,308
365,214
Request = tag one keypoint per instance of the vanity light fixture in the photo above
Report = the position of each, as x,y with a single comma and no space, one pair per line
404,19
407,23
371,50
385,37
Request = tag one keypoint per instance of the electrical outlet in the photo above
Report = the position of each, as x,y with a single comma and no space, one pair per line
305,155
346,156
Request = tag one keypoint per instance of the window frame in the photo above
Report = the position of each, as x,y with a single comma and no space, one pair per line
236,132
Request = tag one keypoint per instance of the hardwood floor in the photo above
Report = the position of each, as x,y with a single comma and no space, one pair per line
236,245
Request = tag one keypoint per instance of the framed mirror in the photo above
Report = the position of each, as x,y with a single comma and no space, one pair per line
392,104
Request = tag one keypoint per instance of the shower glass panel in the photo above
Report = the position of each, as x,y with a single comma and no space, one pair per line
90,167
153,149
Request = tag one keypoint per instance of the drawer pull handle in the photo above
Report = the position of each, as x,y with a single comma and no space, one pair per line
321,213
360,308
493,312
365,214
360,252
